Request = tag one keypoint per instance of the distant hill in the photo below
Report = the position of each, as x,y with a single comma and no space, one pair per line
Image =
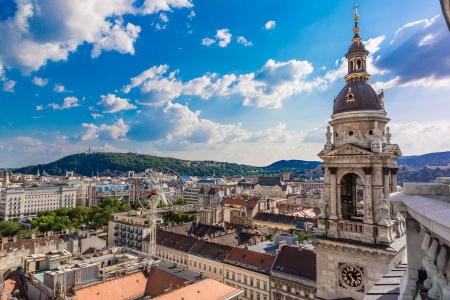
293,164
419,161
112,164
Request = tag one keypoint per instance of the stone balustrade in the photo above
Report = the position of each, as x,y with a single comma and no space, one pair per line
426,207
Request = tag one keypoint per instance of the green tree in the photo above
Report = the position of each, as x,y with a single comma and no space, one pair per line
10,228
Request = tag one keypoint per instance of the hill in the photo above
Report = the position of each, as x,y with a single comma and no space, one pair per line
419,161
112,164
293,164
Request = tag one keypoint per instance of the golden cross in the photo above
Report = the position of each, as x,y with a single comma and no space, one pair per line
356,8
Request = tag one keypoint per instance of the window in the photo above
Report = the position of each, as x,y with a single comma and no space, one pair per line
228,274
195,264
265,286
257,283
220,270
210,268
200,265
204,267
245,279
251,281
233,275
215,270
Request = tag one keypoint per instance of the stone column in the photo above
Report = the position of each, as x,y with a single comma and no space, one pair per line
377,191
333,214
368,213
339,201
439,280
394,179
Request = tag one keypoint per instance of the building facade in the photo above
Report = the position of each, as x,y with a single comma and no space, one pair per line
359,237
27,202
128,230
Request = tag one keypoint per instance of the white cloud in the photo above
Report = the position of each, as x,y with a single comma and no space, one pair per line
163,17
112,104
224,37
417,56
191,15
154,6
177,124
96,116
8,86
208,42
270,25
45,30
419,138
267,87
69,102
104,132
40,81
60,89
118,37
39,107
243,40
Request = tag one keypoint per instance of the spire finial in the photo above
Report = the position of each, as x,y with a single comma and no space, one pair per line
356,28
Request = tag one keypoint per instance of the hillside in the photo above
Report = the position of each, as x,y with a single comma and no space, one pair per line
419,161
293,164
111,164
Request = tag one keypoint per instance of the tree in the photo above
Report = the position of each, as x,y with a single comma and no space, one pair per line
10,228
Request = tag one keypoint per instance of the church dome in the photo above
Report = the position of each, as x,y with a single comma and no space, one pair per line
357,96
356,47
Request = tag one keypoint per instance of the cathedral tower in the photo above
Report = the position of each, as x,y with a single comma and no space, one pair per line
360,236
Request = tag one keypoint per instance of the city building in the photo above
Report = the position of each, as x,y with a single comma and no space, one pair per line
360,237
249,271
27,202
293,275
172,247
207,258
128,230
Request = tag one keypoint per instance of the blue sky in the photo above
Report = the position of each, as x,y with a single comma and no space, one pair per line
240,81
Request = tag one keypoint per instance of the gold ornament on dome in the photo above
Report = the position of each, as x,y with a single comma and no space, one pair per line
350,96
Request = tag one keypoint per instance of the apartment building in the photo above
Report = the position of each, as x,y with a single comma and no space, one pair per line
249,271
173,247
128,230
207,258
27,202
190,194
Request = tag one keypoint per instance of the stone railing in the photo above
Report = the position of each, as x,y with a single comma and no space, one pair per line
427,210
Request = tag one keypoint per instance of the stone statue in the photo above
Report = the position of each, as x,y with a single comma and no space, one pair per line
328,145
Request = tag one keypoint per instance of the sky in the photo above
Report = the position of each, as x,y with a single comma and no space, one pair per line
242,81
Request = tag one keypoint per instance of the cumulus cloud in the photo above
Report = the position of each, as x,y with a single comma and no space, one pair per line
39,81
417,56
243,40
8,86
268,87
176,123
44,30
224,37
112,104
270,25
104,132
317,135
69,102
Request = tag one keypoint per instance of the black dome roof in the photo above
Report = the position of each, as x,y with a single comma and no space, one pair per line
356,46
364,98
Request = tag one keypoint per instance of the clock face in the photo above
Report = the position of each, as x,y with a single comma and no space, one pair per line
351,276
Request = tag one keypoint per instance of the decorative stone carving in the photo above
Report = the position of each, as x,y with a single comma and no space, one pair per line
377,132
383,210
323,206
376,145
328,145
388,135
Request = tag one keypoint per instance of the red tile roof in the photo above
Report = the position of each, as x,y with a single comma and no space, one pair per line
160,281
208,289
250,260
127,287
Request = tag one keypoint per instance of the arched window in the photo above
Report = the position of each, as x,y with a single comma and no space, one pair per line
352,205
359,64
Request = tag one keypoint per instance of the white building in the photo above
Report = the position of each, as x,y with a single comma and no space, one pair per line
21,203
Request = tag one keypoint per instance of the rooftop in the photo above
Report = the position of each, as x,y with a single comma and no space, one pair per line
176,241
211,250
208,289
296,262
250,260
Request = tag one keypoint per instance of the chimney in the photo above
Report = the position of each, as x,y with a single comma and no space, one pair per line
15,239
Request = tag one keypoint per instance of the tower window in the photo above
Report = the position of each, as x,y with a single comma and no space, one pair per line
350,133
359,64
371,132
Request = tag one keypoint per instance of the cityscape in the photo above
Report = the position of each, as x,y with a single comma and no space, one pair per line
353,201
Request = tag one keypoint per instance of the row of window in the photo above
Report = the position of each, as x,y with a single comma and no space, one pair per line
243,279
210,268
